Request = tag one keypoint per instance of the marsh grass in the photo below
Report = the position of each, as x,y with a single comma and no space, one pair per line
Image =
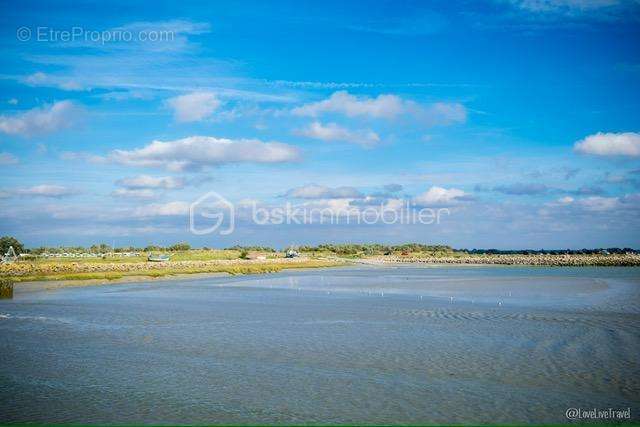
6,288
190,255
233,269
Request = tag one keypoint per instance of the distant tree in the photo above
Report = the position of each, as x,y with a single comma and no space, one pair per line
99,249
244,254
182,246
7,241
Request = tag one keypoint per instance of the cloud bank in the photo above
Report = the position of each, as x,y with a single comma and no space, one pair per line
610,144
41,120
438,196
384,106
150,182
334,132
194,106
197,152
313,191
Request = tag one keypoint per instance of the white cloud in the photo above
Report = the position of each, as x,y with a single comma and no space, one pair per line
148,182
440,113
598,204
384,106
8,159
126,94
610,144
36,78
42,120
86,157
45,190
42,79
196,152
563,6
440,196
143,193
567,200
162,209
313,191
176,27
334,132
13,101
194,106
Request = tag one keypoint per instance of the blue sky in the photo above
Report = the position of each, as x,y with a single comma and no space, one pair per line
519,117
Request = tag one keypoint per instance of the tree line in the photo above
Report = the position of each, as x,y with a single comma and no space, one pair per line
375,248
338,249
99,248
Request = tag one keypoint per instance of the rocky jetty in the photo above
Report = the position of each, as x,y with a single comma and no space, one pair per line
610,260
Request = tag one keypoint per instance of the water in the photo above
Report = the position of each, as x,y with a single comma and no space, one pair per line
350,345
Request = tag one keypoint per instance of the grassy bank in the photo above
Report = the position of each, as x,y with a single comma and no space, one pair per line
87,270
190,255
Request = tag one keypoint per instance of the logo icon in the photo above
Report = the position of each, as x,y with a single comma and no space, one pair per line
212,206
23,34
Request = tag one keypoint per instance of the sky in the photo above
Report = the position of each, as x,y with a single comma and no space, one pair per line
516,123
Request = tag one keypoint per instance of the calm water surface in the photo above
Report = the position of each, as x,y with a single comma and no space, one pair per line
352,345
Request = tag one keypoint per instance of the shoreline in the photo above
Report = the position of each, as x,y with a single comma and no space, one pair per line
58,283
62,283
85,270
50,276
49,285
627,260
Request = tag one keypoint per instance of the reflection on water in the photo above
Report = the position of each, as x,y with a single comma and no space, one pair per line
365,345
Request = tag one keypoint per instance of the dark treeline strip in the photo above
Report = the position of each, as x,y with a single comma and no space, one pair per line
375,248
379,249
347,249
103,248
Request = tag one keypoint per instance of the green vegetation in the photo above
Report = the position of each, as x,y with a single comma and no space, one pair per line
366,249
377,249
182,246
240,268
6,288
6,241
103,263
184,251
110,257
204,255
